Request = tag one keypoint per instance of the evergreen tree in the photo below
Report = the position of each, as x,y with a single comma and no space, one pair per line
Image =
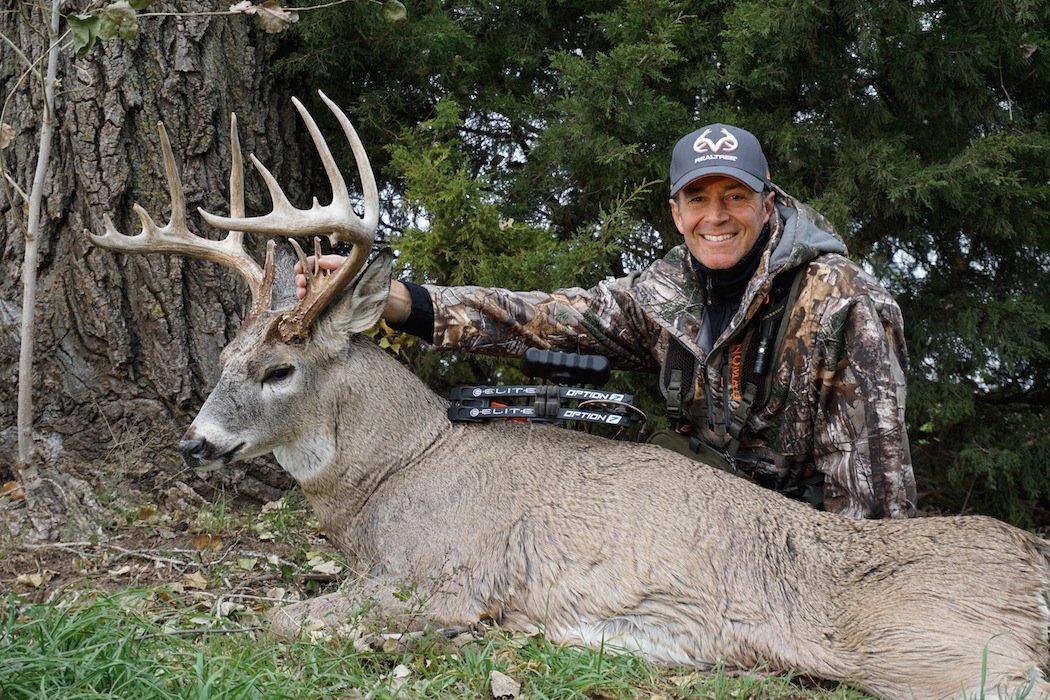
526,145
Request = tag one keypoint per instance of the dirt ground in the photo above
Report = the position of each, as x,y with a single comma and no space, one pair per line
226,551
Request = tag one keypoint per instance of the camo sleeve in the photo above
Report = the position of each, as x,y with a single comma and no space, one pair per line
860,442
604,320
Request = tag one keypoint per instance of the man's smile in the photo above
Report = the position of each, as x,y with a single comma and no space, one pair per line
717,237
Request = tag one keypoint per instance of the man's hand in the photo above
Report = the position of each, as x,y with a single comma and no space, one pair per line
398,304
328,262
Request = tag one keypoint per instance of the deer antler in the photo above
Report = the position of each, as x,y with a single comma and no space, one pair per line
175,236
336,219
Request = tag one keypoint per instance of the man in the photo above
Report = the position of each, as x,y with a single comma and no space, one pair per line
780,359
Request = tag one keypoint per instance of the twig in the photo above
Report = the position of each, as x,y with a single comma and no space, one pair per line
1009,102
17,50
220,13
145,554
32,250
199,630
320,578
19,190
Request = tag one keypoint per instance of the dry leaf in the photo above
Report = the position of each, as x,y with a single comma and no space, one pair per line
146,512
120,571
244,6
273,505
503,686
7,135
206,541
247,563
13,490
400,676
225,607
36,579
195,580
273,18
327,567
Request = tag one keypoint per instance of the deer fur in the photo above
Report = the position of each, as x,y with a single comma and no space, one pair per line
602,543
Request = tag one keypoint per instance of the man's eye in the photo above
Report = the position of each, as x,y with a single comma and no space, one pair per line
276,374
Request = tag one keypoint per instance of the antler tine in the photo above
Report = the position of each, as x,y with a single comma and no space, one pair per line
263,296
364,168
175,237
336,219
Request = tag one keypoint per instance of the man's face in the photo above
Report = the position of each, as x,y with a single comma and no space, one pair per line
720,218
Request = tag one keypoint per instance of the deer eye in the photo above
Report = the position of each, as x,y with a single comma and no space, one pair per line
278,373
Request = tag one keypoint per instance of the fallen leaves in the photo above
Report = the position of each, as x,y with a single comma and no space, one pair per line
503,686
12,489
207,541
318,563
195,580
37,579
272,17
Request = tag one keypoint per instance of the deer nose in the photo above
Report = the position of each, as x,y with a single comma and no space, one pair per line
194,449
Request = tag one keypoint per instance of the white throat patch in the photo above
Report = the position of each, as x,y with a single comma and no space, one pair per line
307,457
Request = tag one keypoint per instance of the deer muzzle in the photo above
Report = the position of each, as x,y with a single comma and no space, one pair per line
198,452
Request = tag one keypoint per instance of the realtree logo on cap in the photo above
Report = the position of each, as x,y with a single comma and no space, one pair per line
726,143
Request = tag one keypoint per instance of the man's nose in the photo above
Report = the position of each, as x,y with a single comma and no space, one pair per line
715,210
194,449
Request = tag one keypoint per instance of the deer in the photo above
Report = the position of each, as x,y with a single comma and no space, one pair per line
597,543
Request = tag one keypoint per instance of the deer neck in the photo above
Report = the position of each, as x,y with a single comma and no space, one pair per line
379,419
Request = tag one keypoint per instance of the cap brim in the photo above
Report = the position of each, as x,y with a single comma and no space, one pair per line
755,183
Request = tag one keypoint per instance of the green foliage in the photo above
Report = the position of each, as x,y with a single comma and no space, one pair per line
506,134
84,30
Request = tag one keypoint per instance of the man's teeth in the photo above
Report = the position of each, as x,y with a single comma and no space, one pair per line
717,239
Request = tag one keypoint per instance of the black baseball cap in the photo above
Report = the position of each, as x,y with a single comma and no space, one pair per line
719,149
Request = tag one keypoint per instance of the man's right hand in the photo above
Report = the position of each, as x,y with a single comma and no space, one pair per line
398,304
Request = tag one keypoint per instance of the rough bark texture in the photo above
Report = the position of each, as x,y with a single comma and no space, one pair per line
127,346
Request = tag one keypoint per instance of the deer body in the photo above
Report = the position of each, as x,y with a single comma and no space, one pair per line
599,543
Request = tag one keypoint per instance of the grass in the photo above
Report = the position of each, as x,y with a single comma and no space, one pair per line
133,645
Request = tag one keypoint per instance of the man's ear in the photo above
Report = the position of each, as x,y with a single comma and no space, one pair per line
361,306
675,214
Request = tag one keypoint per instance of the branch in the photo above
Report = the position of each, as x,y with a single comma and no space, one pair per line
220,13
32,249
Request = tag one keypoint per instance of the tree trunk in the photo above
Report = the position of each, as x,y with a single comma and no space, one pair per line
127,346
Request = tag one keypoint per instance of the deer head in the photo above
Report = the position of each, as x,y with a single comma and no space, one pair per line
280,358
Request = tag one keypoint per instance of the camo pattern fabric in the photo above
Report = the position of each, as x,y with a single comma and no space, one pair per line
837,394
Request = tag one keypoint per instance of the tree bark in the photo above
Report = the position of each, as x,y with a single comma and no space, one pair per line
127,346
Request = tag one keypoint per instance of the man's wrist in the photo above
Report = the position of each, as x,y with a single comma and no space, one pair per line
398,304
419,319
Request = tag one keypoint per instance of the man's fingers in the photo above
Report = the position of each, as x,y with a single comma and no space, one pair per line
332,262
328,262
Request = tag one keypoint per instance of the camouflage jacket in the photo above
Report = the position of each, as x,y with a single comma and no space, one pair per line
837,394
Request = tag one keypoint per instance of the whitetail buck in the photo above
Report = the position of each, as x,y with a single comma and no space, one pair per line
593,541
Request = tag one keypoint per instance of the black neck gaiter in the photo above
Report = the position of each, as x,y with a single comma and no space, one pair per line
724,289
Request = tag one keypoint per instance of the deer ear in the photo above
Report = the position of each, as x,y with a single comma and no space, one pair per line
362,305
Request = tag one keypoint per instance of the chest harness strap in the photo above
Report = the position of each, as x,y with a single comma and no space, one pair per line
757,350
